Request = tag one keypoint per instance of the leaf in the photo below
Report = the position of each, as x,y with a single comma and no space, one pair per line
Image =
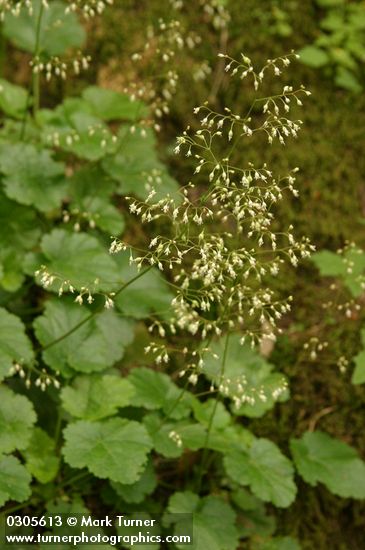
94,397
109,105
18,221
32,177
59,31
90,189
343,57
155,390
14,480
21,223
246,369
347,80
333,22
203,412
148,294
254,520
13,99
329,263
91,181
17,417
159,431
41,460
11,273
137,167
79,133
80,259
336,265
94,346
313,56
67,508
267,472
320,458
210,514
14,344
91,139
100,213
116,449
358,376
136,492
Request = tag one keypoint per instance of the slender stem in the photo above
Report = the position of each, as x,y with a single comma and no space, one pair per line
212,416
36,75
73,479
94,313
35,80
174,405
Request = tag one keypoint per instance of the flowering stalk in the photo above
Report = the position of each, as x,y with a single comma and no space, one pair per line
222,251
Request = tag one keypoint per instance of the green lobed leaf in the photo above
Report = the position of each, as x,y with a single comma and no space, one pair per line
41,459
90,189
32,177
349,268
214,521
148,294
313,56
93,397
79,132
116,448
320,458
245,368
159,431
203,412
137,167
94,346
267,472
137,492
81,259
14,480
13,99
109,105
20,222
14,344
59,31
155,390
17,417
254,520
347,80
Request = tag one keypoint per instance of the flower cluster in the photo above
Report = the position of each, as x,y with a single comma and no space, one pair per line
241,393
87,294
214,9
15,6
88,8
222,250
54,66
163,44
42,381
